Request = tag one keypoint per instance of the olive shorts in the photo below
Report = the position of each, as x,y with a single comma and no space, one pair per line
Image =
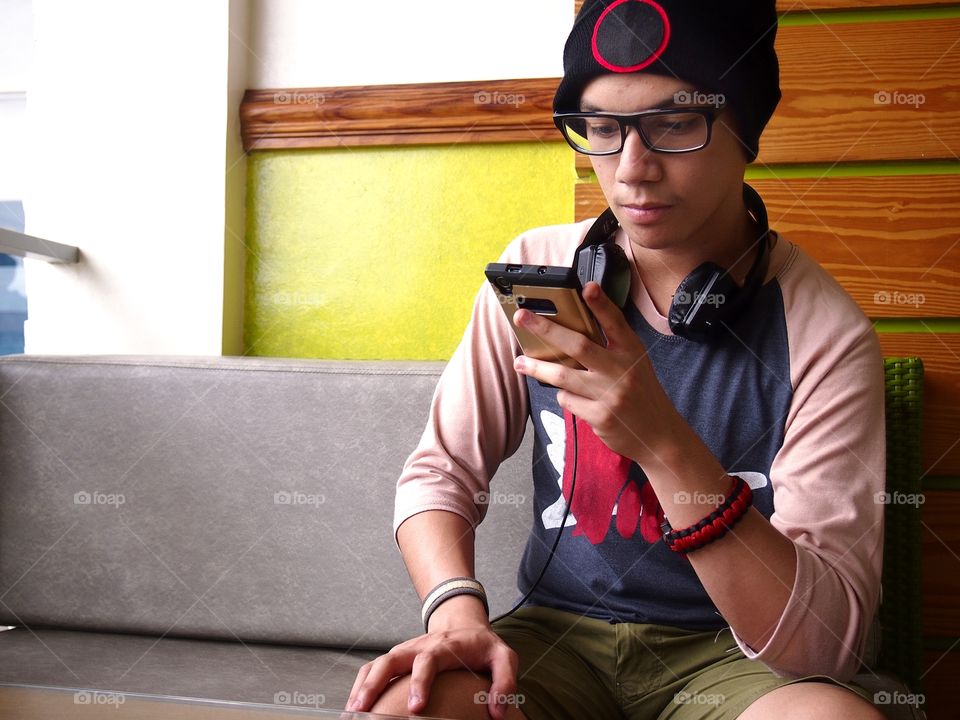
578,667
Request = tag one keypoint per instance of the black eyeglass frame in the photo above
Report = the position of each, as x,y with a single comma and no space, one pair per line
632,120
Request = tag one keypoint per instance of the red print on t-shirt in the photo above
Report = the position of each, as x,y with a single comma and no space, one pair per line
603,483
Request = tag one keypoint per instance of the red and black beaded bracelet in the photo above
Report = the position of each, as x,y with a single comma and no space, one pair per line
715,525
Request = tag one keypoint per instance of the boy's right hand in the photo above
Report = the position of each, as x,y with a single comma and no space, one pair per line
459,638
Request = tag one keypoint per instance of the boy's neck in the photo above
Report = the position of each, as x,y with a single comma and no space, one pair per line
661,271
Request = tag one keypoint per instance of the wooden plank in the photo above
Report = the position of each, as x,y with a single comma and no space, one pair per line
892,242
448,113
834,80
941,563
940,450
940,683
794,6
830,76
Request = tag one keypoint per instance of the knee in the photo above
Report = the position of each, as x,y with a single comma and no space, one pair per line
393,700
811,701
454,693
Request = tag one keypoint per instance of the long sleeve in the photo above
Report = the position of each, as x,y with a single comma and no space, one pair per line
479,409
828,479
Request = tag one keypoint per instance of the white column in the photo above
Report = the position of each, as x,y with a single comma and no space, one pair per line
127,117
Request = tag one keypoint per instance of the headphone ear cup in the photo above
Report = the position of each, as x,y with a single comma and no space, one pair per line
606,264
615,279
700,304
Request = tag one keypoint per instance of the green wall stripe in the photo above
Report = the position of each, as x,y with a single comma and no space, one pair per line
940,483
844,17
860,169
802,171
940,643
917,325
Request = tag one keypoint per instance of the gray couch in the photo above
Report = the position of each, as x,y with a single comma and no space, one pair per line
212,527
215,527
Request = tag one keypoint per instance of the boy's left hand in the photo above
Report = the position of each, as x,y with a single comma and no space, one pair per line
617,393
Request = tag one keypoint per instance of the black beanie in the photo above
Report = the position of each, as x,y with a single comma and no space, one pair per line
722,47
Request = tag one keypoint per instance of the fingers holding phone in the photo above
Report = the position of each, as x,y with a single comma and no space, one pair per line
553,292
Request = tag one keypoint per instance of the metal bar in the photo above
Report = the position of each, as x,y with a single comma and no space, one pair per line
14,243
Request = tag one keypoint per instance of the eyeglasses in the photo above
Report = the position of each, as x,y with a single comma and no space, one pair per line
667,130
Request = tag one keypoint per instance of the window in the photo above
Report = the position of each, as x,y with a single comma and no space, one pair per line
13,293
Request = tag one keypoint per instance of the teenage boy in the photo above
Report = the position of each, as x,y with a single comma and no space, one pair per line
770,416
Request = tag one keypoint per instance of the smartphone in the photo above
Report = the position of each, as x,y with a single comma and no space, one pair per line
546,290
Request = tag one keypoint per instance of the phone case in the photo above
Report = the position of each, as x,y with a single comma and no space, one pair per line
550,291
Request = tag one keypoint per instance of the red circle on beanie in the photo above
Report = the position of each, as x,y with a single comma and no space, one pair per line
630,35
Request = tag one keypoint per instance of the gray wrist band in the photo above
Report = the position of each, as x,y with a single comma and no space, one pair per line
448,589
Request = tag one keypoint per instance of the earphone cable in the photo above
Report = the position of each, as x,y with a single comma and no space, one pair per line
563,523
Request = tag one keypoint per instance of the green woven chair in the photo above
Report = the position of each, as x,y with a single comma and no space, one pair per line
900,643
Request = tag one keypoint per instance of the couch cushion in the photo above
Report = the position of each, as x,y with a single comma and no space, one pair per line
233,498
205,669
232,672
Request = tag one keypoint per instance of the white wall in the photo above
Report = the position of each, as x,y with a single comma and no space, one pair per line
126,125
132,139
315,43
16,53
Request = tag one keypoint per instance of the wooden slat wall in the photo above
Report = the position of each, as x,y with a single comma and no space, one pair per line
829,111
940,684
941,569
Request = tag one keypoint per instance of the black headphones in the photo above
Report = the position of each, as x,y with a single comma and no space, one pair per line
705,300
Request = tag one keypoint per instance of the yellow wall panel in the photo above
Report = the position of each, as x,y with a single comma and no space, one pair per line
377,253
